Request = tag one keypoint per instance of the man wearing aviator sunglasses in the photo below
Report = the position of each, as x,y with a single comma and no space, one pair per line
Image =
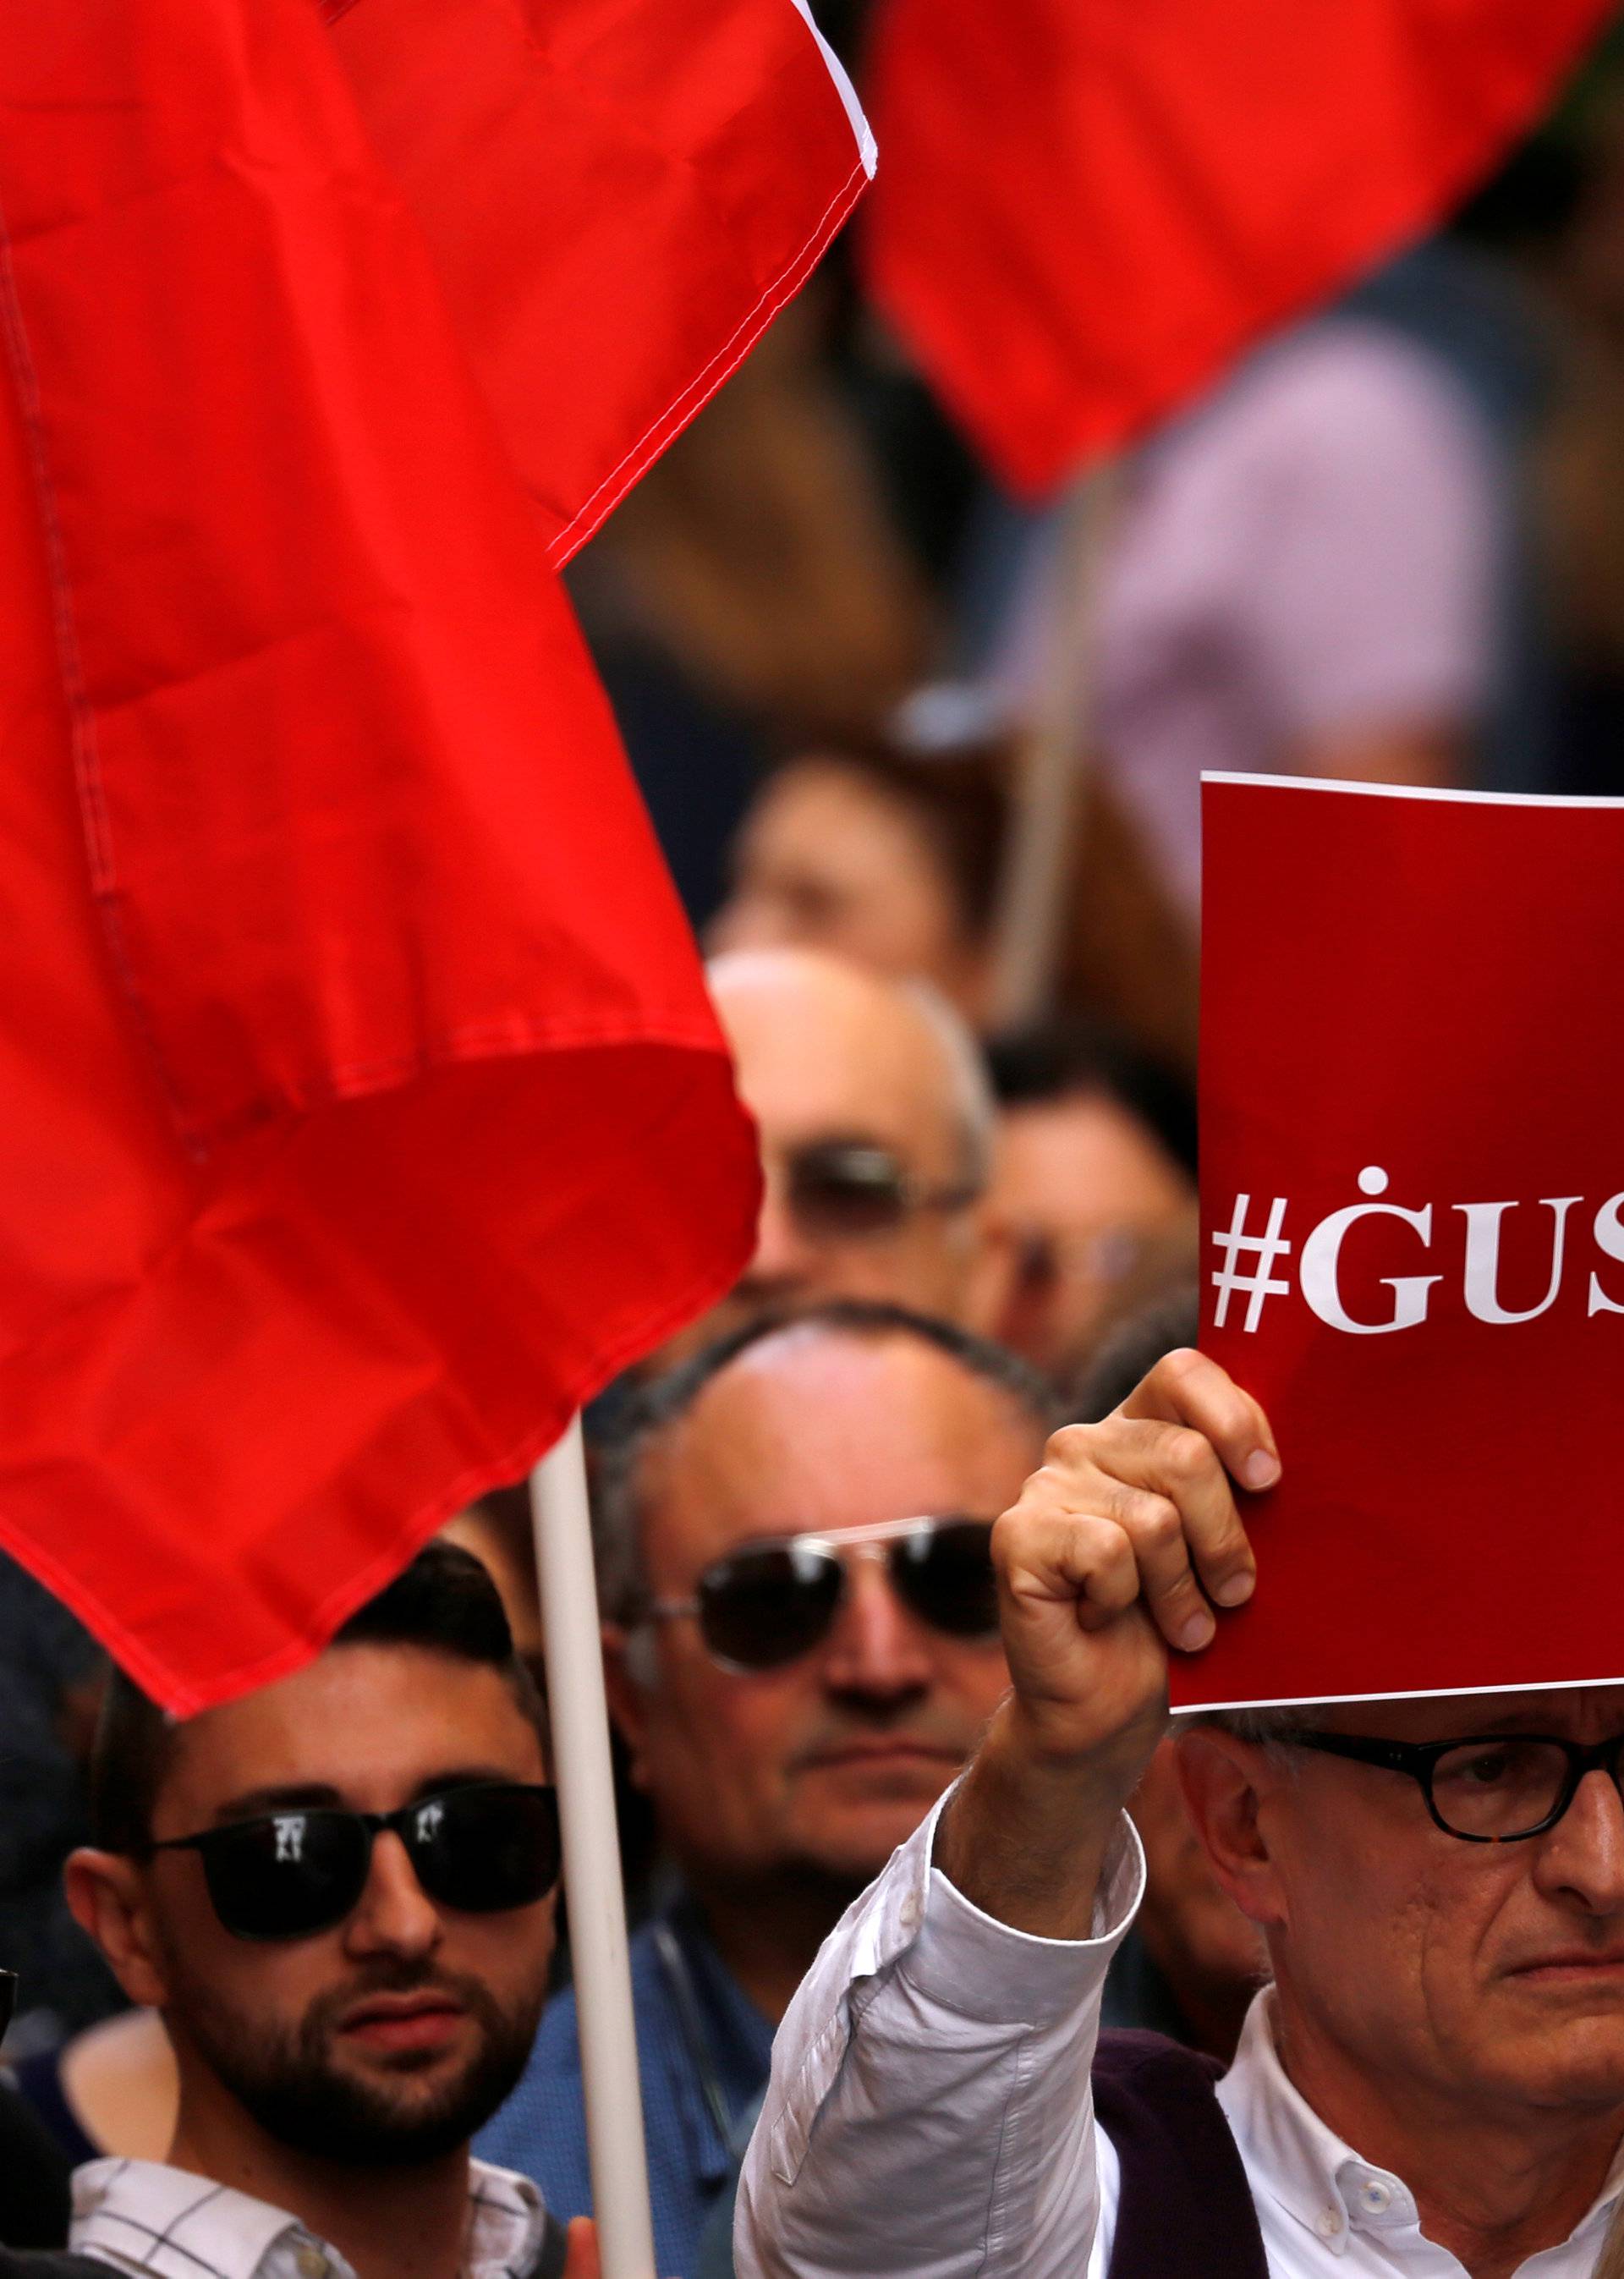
338,1893
802,1649
1431,2088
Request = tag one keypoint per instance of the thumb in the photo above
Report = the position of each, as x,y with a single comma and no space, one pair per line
581,2260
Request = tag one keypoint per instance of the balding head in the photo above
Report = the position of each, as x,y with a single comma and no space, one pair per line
804,1771
829,1054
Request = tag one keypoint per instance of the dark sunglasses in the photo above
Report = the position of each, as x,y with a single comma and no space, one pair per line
773,1601
856,1191
289,1874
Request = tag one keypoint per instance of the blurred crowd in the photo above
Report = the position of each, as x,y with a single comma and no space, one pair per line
1390,547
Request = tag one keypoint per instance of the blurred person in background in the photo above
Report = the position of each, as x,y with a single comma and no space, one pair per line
1573,251
889,849
753,581
499,1531
1302,575
33,2192
338,1893
876,1125
51,1673
801,1650
1192,1961
112,2089
1095,1187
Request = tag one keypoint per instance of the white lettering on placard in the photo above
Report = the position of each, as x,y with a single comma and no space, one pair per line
1254,1265
1267,1249
1609,1231
1322,1256
1482,1280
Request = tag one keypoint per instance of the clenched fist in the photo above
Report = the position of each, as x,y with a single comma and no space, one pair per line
1127,1543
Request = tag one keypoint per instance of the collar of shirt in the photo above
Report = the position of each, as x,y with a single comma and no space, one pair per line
725,2041
1306,2168
139,2215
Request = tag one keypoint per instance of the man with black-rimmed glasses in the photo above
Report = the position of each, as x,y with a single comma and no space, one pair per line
1434,2084
339,1892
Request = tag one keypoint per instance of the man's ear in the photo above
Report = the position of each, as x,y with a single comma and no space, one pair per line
1226,1782
628,1693
107,1894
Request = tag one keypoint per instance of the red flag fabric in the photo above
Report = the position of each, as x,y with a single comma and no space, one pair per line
365,1108
1089,207
1413,1207
620,195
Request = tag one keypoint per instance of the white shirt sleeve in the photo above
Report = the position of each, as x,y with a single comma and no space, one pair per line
930,2115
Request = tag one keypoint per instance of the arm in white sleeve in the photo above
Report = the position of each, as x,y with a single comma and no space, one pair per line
930,2115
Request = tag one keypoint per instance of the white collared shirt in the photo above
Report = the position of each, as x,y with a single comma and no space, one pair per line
931,2115
139,2215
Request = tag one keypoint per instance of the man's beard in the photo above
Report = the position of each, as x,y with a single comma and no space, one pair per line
288,2083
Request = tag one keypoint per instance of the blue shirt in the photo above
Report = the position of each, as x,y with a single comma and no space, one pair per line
541,2129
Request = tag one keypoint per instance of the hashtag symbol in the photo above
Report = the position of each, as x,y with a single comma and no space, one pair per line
1267,1249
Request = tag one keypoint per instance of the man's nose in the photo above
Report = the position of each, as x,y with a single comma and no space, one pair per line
876,1648
1582,1857
394,1915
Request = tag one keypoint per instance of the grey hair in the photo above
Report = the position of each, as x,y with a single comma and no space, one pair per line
1268,1727
620,1499
975,1108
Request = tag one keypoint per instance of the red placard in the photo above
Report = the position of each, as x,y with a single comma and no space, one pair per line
1412,1232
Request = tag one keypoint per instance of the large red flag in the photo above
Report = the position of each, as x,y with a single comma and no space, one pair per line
364,1106
619,195
1089,207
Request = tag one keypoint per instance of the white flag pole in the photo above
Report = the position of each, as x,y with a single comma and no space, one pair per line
579,1715
1045,839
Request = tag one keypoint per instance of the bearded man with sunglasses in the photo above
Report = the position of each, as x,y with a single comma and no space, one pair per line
338,1893
1433,2087
802,1650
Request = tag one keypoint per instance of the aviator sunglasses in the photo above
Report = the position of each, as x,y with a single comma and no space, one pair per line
479,1849
774,1599
855,1191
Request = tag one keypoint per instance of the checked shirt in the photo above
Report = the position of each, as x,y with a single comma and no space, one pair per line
139,2215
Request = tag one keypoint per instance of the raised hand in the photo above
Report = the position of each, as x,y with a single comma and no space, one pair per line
1126,1544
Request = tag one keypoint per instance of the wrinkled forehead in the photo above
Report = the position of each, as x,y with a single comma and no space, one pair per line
824,1432
823,1053
1579,1712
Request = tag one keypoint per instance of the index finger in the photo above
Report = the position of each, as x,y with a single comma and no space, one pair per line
1187,1387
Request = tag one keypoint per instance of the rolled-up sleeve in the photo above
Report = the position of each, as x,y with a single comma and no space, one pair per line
930,2115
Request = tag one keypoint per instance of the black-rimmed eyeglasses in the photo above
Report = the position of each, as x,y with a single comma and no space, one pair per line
1487,1788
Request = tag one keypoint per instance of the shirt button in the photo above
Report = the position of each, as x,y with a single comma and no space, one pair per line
1375,2197
1328,2223
312,2263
